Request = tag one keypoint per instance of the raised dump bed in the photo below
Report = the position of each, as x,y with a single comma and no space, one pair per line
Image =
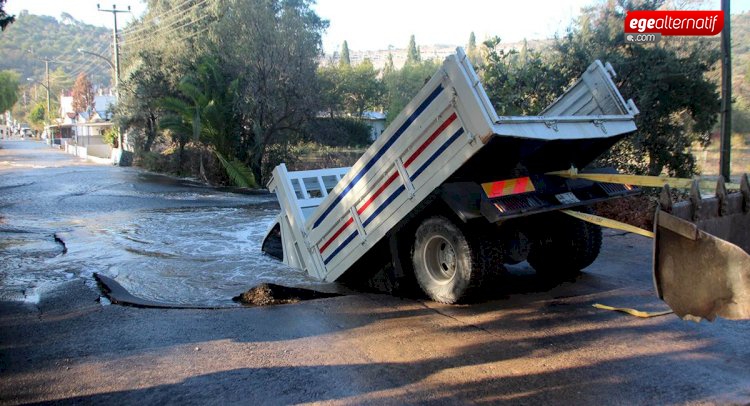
453,191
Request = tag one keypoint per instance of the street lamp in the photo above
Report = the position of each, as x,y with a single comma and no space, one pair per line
116,67
102,57
46,115
46,73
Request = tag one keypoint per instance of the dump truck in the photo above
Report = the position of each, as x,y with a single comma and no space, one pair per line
450,191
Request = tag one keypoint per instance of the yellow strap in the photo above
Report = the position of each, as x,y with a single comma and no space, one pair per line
632,312
639,180
605,222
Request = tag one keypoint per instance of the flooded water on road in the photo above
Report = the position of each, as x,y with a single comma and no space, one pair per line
162,238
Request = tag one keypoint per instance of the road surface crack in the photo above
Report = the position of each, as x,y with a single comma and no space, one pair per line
480,328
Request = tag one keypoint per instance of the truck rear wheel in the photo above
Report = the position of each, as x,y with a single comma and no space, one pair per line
562,245
448,263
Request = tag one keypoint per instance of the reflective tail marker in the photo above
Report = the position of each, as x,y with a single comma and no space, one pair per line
508,187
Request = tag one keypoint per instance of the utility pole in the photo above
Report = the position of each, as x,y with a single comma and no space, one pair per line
726,94
116,43
49,109
49,112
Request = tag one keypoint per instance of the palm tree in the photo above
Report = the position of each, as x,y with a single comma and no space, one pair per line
205,114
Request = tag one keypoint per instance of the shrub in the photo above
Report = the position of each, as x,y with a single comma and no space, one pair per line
337,132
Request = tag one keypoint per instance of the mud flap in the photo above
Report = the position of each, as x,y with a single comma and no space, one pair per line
702,254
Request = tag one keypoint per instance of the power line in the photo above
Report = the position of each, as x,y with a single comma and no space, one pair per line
174,11
88,61
77,57
148,38
188,36
171,20
163,30
90,66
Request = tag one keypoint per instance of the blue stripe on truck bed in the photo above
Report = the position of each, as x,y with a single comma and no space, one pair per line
385,204
440,150
380,153
340,247
396,193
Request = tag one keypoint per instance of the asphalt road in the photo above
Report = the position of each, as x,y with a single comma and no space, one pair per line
527,343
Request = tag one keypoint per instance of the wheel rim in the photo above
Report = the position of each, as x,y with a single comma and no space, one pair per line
440,259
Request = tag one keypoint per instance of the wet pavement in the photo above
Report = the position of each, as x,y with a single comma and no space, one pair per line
162,238
528,343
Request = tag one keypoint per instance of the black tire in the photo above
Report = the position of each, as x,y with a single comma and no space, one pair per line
450,264
562,245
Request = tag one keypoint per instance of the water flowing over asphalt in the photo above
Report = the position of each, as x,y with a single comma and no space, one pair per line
162,238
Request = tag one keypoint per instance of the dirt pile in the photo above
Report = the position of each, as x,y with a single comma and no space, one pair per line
636,210
267,294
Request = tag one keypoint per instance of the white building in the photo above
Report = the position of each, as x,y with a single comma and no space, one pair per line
376,121
102,107
81,134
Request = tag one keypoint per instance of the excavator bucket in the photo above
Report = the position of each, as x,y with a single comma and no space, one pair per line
702,253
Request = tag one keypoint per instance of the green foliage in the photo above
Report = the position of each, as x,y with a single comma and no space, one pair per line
403,84
50,38
204,113
741,72
345,61
363,89
37,115
138,110
337,132
8,90
668,81
110,136
331,89
472,51
240,81
272,47
237,171
389,68
5,19
741,117
350,89
519,83
412,52
153,161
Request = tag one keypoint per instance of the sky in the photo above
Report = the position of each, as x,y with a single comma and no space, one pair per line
378,24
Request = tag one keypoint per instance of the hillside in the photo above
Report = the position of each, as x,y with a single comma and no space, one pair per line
59,40
741,54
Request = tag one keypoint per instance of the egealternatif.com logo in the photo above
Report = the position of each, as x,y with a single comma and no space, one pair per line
675,22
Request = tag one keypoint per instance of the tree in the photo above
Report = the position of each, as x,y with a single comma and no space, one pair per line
412,52
205,113
5,19
345,61
331,94
472,51
519,83
8,90
37,115
50,38
362,89
350,89
272,47
403,84
138,108
83,94
668,81
160,54
388,68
